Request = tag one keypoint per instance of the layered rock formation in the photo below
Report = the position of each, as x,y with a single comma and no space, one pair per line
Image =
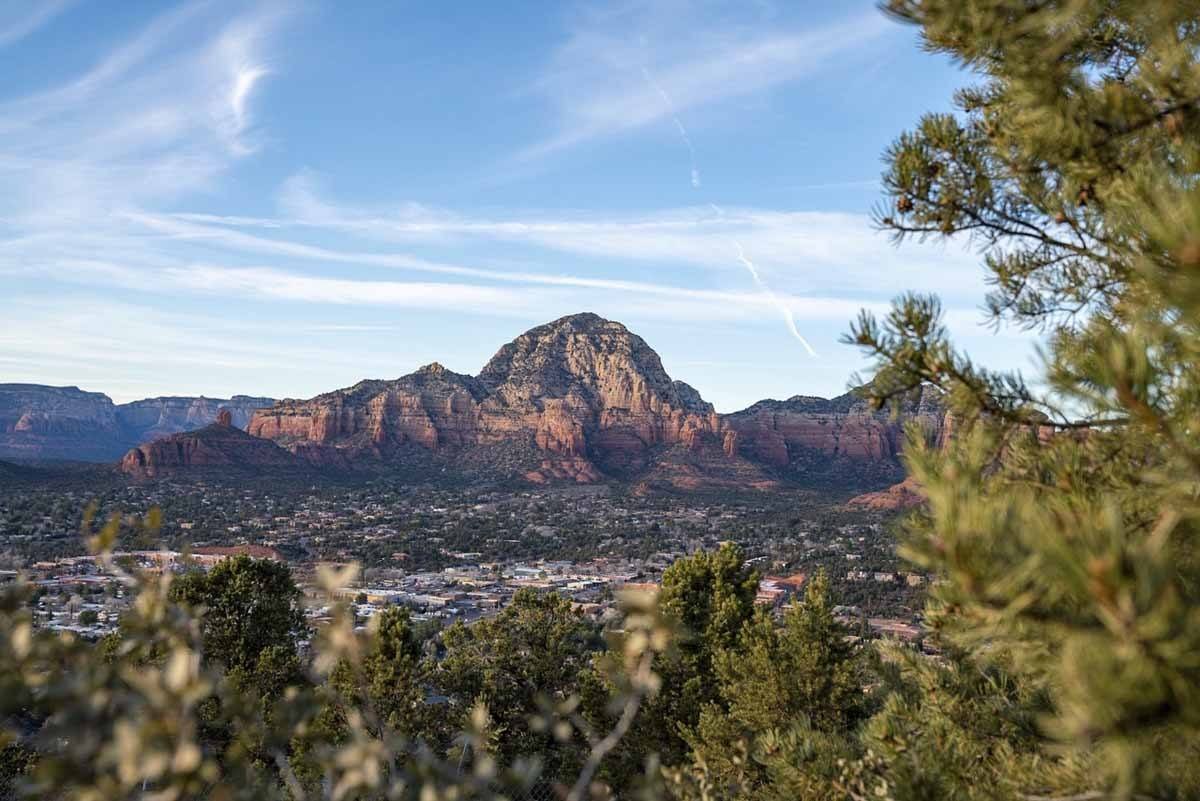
807,436
43,423
39,422
589,399
144,420
588,394
580,399
588,387
433,407
219,446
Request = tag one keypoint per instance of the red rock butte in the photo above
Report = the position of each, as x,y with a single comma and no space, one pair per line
581,399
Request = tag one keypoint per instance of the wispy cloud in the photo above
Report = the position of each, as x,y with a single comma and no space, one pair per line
170,109
271,283
20,18
494,292
131,350
615,70
108,282
831,251
159,117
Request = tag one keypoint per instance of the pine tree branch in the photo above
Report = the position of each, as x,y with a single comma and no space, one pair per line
1112,132
601,748
1090,795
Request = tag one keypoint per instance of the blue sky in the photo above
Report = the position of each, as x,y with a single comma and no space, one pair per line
282,198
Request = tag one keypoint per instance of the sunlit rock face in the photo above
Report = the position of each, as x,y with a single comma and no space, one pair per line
590,400
219,446
433,408
845,427
584,390
589,387
580,399
904,495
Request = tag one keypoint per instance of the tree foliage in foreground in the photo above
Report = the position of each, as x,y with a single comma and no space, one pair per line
1063,514
790,698
251,619
534,652
165,711
709,597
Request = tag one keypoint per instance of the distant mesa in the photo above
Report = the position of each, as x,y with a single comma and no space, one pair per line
842,436
46,423
583,399
153,417
580,399
42,423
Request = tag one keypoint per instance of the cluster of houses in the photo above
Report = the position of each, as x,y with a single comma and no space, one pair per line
80,593
911,579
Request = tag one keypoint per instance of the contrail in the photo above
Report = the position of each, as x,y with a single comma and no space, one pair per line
766,290
783,308
779,304
683,134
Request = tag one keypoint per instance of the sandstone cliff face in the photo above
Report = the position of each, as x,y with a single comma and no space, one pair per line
780,433
691,399
593,400
434,408
590,387
218,446
583,390
50,423
41,422
580,399
144,420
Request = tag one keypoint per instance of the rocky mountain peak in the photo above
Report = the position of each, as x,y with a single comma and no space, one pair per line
581,321
225,418
691,398
584,356
575,399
